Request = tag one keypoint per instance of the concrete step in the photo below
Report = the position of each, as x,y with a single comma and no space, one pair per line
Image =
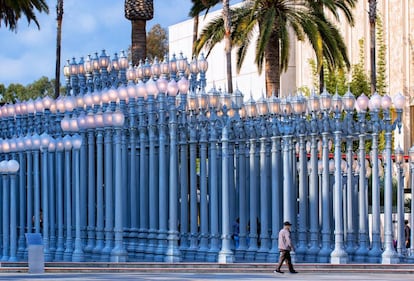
55,267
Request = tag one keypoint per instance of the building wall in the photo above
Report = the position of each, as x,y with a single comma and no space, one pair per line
398,20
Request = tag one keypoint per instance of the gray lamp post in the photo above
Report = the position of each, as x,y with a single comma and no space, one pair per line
399,161
313,250
362,251
375,251
339,254
411,157
389,256
12,169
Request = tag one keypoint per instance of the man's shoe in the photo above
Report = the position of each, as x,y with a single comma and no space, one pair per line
294,271
278,271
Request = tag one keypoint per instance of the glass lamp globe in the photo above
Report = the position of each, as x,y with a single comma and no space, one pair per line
130,73
399,101
107,118
183,85
362,102
73,124
27,142
44,140
89,121
35,141
67,142
112,94
274,105
162,85
172,88
386,102
23,108
374,103
118,118
325,100
202,63
47,102
70,103
65,124
81,120
38,104
13,166
349,101
131,91
151,88
60,104
141,90
3,167
99,123
30,106
87,99
20,144
52,145
123,93
202,99
5,146
96,98
60,145
105,97
76,141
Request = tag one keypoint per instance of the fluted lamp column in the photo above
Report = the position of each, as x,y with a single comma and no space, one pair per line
389,256
173,251
411,156
399,161
338,255
118,253
12,169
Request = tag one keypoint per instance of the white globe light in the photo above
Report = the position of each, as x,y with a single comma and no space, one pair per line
13,166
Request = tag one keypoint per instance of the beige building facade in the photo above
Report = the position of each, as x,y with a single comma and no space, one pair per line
398,22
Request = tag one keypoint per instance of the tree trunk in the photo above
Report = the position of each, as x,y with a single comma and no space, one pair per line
195,32
59,17
272,65
139,41
321,79
372,19
227,43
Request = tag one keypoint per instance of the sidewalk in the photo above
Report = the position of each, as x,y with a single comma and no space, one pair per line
205,276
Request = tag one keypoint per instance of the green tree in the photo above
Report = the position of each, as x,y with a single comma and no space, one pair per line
11,11
15,92
360,80
157,42
41,87
381,59
272,20
139,12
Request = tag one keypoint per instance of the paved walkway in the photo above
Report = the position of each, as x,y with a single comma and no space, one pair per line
205,276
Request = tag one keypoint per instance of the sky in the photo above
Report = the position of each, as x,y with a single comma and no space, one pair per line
88,27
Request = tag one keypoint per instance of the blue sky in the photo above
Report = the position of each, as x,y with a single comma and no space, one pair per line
88,27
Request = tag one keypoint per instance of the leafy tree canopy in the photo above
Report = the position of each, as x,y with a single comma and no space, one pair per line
157,42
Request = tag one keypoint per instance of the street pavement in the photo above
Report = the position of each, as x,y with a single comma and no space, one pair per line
207,276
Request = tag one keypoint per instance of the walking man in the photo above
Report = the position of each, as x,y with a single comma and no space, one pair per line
285,246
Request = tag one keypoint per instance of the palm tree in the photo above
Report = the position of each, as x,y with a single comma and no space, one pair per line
333,6
12,11
139,12
272,19
204,5
59,18
372,19
198,7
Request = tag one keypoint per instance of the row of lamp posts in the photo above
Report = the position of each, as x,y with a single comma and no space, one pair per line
141,158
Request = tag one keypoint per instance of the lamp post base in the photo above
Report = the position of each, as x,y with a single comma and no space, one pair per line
225,256
389,257
339,257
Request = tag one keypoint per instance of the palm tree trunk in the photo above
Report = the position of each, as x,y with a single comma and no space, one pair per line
372,18
227,43
139,41
321,79
195,32
59,18
272,65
